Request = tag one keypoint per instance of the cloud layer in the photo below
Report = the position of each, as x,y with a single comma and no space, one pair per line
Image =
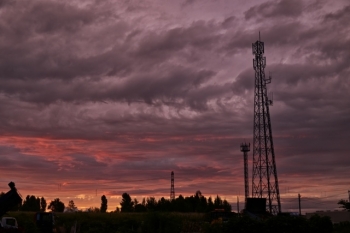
110,97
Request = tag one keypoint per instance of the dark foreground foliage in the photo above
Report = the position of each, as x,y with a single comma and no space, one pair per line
343,227
165,222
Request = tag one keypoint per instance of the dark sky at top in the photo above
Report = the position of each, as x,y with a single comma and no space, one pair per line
106,97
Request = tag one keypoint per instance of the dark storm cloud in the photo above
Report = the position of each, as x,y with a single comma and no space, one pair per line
340,16
84,161
4,3
58,73
14,160
281,8
176,84
244,82
44,17
53,17
187,2
229,22
42,40
199,35
133,90
181,80
289,34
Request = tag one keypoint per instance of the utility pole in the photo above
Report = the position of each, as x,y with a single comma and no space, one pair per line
349,194
299,204
237,204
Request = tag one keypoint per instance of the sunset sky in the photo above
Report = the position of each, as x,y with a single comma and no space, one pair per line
106,97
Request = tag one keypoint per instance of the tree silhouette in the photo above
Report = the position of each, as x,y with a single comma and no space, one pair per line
200,202
43,204
195,203
103,208
31,203
321,224
344,204
218,202
164,205
56,205
226,206
71,207
210,206
93,210
180,204
151,203
140,207
127,204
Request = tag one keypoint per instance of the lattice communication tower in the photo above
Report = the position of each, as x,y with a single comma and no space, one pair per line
172,189
264,180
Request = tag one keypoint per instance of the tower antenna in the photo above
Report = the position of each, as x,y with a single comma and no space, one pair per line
264,180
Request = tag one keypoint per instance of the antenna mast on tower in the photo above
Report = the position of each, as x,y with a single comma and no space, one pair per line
264,180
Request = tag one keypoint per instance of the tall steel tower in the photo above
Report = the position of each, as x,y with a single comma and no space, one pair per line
264,182
245,148
172,190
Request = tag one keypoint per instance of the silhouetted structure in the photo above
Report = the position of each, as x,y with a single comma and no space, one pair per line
256,205
45,222
264,180
172,189
9,199
245,148
299,202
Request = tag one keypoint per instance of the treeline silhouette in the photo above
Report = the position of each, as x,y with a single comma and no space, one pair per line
36,204
30,203
194,203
